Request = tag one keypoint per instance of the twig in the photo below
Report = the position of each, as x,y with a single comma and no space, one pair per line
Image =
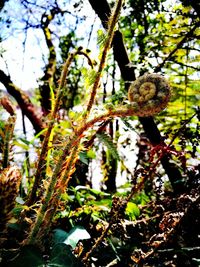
159,67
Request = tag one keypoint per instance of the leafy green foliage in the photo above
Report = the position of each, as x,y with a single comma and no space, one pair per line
107,141
132,210
29,256
61,256
72,238
87,202
86,156
101,38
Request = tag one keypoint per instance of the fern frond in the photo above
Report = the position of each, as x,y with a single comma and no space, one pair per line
101,38
108,142
89,76
128,125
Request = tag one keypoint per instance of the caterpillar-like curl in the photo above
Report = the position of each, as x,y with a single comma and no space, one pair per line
149,94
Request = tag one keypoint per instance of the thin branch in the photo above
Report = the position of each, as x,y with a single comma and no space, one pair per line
179,45
185,65
24,102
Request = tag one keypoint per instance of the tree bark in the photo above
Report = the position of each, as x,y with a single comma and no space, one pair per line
50,68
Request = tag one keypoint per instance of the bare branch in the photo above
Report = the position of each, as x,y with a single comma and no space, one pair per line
179,45
24,102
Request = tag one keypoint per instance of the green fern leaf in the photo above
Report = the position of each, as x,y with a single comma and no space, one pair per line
108,142
101,38
89,76
128,125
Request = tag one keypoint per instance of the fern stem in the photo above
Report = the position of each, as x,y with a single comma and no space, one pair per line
59,188
73,142
133,109
97,242
44,149
110,34
48,195
120,112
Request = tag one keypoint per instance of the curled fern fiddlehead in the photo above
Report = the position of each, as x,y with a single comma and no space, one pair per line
149,94
10,179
